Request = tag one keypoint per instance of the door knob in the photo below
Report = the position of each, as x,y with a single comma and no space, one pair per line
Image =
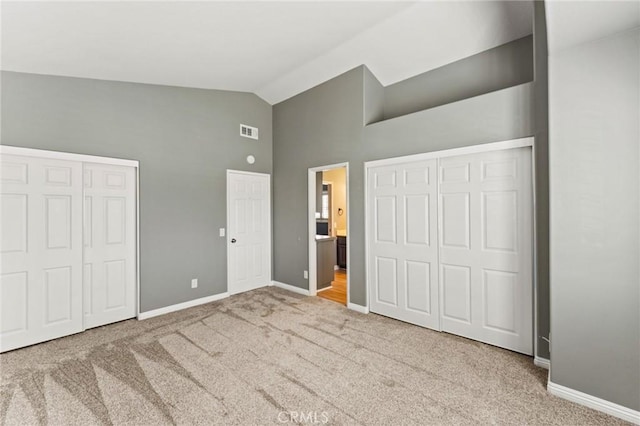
233,240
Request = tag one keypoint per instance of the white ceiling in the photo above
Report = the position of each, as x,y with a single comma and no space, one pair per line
273,49
570,23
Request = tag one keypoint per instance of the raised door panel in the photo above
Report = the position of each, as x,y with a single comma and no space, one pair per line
386,281
14,223
500,301
115,218
385,219
456,293
58,289
418,276
57,176
500,221
456,221
14,171
14,303
116,284
417,219
384,178
58,222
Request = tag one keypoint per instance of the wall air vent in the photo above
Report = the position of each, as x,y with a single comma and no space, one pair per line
248,131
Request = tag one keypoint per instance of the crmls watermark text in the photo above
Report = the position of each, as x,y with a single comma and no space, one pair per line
301,417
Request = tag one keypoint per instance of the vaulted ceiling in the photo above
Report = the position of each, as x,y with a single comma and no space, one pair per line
273,49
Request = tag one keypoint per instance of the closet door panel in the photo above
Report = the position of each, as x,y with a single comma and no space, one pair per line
403,248
109,243
41,250
490,236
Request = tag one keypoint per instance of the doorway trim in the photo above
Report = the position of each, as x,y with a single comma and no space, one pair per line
311,216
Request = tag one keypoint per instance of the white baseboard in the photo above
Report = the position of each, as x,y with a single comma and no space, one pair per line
291,288
326,288
358,308
542,362
594,402
181,306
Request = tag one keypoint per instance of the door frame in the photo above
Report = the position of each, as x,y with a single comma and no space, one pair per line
269,224
311,216
466,150
85,158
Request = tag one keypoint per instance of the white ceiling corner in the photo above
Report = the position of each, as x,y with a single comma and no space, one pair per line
273,49
570,23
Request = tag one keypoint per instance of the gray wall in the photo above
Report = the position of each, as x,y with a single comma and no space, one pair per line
541,96
507,65
497,116
321,126
185,139
595,255
373,98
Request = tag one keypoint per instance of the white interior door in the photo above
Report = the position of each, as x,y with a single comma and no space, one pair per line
403,248
109,244
41,247
486,247
249,231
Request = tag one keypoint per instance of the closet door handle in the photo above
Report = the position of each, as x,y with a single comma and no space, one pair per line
233,240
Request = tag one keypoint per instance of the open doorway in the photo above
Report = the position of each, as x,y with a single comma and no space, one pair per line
328,232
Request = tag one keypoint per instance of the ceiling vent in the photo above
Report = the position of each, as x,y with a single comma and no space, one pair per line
248,131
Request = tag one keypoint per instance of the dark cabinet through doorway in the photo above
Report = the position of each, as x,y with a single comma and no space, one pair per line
342,252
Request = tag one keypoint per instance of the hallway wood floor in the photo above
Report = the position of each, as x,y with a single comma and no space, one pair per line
338,290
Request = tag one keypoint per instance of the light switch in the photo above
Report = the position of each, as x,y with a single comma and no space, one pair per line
222,232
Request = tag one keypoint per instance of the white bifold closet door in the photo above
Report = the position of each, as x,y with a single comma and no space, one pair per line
68,247
41,280
450,245
486,249
403,244
109,244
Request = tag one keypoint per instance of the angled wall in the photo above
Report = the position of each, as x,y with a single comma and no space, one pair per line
508,65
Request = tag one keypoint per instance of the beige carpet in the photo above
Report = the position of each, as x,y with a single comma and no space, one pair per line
273,357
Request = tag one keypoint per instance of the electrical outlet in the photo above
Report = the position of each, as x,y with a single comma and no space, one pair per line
194,283
306,275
